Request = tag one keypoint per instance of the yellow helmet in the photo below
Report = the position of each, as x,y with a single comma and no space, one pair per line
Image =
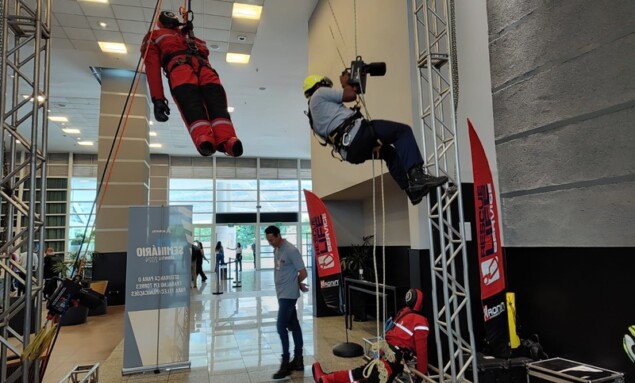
312,80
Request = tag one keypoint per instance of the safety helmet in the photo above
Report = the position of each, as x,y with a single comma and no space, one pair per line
414,299
311,81
169,19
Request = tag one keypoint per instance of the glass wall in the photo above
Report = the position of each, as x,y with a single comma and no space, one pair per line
80,220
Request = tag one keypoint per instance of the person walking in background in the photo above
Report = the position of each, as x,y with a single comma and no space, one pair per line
50,284
198,253
253,251
220,256
239,255
288,274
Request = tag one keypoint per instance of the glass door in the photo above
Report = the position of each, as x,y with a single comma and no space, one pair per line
231,235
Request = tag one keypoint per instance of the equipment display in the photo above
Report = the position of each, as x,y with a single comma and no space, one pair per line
359,70
564,371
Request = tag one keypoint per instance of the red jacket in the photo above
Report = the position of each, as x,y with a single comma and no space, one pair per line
166,42
410,331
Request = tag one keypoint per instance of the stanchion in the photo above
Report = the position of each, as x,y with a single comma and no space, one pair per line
217,292
229,271
237,282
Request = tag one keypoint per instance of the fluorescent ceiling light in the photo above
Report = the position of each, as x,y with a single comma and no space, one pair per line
96,1
247,11
85,143
230,109
155,145
71,131
151,122
153,134
102,24
112,47
40,98
58,118
237,58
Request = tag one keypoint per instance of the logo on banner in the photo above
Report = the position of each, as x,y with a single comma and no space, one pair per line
333,283
326,261
493,312
489,270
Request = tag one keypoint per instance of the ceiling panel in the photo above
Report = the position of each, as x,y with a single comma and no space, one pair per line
96,9
128,13
67,6
80,34
72,21
220,8
111,24
133,26
242,37
213,21
109,36
85,45
215,34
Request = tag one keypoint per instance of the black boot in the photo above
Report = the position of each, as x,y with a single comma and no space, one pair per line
421,183
283,372
297,363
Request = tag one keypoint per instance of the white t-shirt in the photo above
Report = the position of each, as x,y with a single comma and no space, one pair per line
22,260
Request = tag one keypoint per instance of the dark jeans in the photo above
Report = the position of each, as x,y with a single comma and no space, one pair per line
288,320
399,148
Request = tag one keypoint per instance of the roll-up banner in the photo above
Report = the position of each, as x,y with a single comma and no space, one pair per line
157,288
327,259
490,251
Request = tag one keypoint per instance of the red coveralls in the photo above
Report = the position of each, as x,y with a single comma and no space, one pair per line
408,336
195,87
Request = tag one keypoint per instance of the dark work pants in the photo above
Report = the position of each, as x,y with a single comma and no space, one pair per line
288,320
399,148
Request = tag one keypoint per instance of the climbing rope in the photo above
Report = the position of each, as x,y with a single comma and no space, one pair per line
43,338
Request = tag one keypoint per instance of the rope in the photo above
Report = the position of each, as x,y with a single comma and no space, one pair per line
454,61
105,178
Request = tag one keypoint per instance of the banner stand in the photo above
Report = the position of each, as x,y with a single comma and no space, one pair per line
217,292
237,282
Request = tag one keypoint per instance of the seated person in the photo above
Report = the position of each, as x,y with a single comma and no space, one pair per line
406,336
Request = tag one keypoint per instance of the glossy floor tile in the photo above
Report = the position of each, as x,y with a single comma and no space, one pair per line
233,338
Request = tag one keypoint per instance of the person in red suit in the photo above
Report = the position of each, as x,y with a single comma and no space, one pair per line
407,335
194,84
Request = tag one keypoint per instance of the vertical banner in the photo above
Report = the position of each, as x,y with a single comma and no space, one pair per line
327,259
489,248
157,288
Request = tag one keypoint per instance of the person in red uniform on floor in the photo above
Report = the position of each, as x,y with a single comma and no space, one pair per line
407,336
194,84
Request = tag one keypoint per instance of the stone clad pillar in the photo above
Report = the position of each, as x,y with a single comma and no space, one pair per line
128,183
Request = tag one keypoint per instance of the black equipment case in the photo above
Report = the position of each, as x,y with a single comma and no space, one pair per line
560,370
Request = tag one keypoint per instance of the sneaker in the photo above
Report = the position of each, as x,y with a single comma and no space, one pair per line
283,372
297,363
420,182
205,145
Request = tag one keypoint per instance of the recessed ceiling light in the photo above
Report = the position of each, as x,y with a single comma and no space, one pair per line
262,88
153,134
40,98
247,11
71,131
108,47
214,46
58,118
85,143
155,145
96,1
237,58
230,109
150,122
102,24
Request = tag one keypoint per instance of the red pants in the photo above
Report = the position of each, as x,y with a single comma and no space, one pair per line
202,101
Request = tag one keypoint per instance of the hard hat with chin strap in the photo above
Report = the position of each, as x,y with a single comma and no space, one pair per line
414,299
311,82
169,19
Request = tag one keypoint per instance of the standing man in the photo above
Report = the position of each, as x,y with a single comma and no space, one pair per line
288,276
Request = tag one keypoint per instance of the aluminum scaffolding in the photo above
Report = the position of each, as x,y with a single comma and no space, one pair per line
433,35
24,83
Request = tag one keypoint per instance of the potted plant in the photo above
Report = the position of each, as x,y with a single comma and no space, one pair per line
359,258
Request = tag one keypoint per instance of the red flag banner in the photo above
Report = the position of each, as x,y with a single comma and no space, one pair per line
487,228
490,252
327,259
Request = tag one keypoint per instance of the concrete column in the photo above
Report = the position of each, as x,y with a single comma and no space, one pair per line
127,177
159,179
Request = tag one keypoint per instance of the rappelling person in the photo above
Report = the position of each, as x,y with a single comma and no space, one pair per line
194,84
356,139
406,335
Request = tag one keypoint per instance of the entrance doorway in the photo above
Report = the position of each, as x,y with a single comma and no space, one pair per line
230,235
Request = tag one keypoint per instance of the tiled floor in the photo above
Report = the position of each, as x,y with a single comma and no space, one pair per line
233,338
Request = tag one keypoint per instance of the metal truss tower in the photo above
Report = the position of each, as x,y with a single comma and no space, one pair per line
25,27
433,27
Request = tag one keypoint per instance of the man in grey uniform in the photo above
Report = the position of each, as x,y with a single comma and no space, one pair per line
288,276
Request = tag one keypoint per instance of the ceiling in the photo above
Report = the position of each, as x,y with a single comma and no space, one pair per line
266,93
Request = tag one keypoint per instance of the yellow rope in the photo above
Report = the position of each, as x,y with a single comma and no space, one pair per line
40,343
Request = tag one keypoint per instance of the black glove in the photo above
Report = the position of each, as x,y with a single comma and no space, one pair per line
161,109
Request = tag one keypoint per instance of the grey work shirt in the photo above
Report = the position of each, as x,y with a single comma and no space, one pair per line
328,112
288,263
